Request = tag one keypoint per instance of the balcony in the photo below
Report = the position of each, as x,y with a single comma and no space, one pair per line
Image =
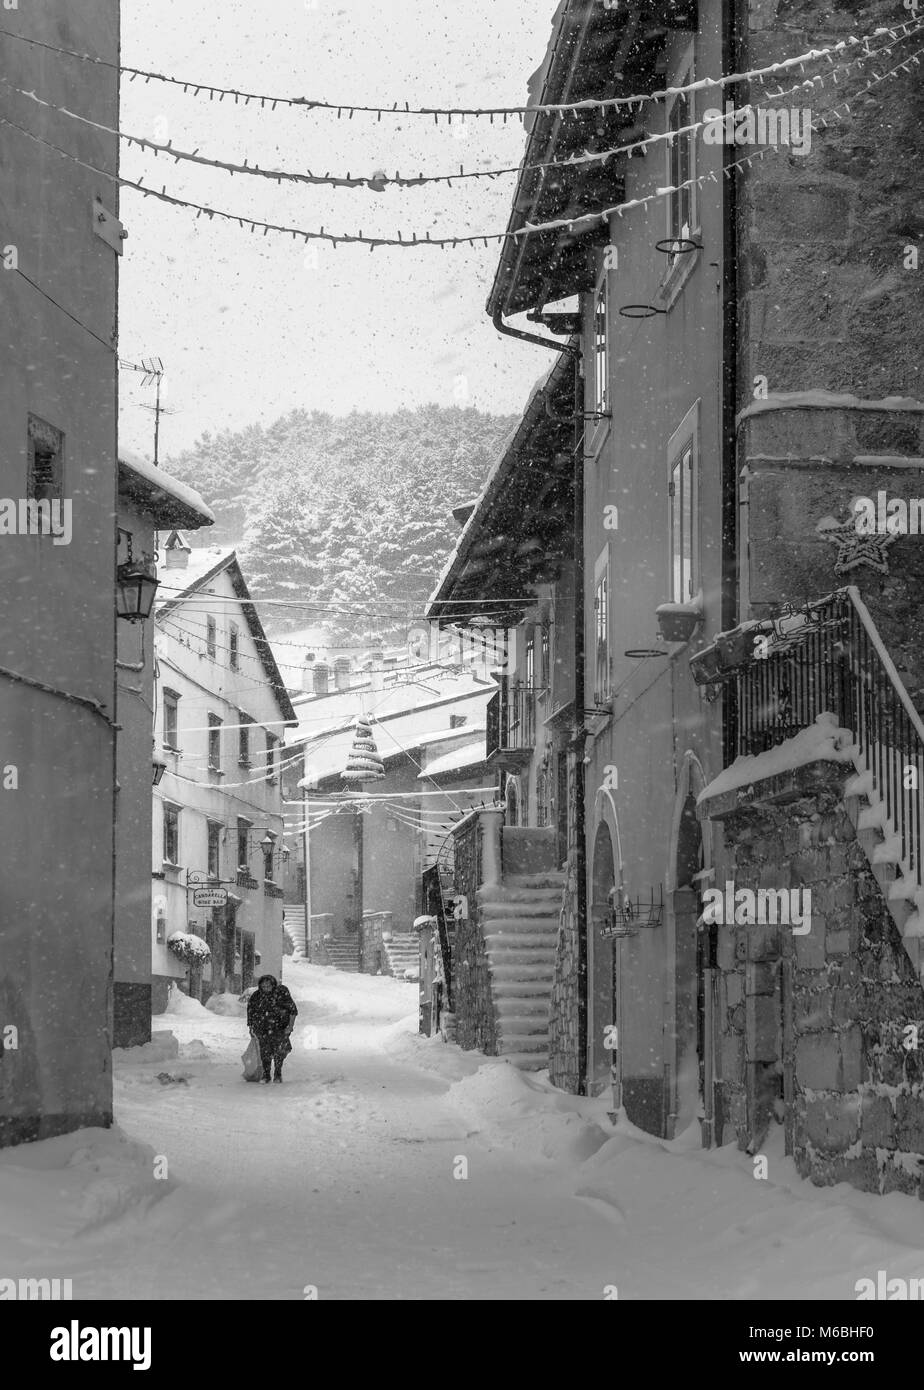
511,725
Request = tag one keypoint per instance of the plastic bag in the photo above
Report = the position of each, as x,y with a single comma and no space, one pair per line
253,1067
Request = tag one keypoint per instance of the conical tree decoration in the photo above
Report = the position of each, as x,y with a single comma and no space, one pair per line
363,763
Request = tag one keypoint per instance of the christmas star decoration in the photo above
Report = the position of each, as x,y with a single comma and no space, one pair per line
855,548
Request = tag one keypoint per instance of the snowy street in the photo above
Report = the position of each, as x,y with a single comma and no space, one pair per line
342,1180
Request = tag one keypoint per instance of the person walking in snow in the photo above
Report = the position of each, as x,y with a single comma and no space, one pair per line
271,1012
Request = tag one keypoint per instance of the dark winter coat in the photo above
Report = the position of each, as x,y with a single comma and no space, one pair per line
272,1012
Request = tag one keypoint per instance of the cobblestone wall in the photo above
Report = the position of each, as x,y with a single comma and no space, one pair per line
564,1037
815,1025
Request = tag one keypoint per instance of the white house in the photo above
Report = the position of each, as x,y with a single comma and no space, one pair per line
220,712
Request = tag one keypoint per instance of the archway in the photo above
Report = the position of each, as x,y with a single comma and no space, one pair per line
690,1005
602,1059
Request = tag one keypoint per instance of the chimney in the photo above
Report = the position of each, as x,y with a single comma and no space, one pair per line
177,551
308,674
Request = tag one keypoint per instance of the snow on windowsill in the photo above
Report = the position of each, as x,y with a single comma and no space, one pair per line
823,740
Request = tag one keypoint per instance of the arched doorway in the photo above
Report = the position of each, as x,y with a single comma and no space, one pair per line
603,1061
512,802
690,1004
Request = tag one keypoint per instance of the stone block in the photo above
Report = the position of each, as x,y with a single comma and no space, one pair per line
763,943
733,1058
725,949
832,1123
877,1122
734,989
812,1011
853,1067
761,977
909,1123
837,943
764,1039
818,1062
810,949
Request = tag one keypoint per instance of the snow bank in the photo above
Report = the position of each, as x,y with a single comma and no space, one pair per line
823,739
162,1048
182,1006
228,1005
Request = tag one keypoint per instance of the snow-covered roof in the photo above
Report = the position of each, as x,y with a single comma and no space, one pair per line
397,735
469,755
426,688
171,502
495,480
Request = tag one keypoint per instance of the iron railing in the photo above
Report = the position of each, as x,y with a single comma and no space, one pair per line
836,662
511,718
434,906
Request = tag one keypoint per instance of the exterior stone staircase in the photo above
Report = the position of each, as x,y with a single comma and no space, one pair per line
343,954
402,953
882,847
293,925
519,917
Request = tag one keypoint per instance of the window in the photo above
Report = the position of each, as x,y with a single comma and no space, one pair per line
601,629
160,923
321,679
243,745
214,743
680,161
213,861
171,834
601,349
45,478
234,647
545,656
171,707
243,845
342,673
210,637
529,664
457,720
271,758
682,502
268,855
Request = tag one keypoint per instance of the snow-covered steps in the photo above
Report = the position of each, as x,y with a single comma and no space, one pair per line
293,924
343,954
402,952
519,919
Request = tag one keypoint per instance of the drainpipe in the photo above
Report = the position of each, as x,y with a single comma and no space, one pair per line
579,706
533,338
730,615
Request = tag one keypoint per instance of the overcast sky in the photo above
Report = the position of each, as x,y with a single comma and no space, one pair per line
249,326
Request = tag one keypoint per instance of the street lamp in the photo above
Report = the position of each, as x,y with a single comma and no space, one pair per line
160,767
136,585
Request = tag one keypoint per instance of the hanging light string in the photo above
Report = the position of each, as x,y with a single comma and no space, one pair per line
530,228
377,182
349,109
417,240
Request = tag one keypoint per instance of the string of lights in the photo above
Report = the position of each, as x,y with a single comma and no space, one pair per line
379,181
414,239
402,109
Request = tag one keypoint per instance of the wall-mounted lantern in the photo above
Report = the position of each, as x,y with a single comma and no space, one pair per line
160,767
136,585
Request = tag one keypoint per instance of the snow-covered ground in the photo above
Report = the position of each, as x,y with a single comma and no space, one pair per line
344,1180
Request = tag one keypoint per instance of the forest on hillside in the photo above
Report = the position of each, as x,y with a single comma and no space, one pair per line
348,513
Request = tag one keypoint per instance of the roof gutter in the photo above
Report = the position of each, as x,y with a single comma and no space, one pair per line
502,327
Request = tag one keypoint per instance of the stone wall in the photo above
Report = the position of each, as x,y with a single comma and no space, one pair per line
564,1018
812,1026
471,986
831,301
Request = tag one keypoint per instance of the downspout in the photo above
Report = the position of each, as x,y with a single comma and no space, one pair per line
579,706
534,338
730,615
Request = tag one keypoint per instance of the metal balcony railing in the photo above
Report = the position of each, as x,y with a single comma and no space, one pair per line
511,719
835,661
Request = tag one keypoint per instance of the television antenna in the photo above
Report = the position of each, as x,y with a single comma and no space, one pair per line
152,369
